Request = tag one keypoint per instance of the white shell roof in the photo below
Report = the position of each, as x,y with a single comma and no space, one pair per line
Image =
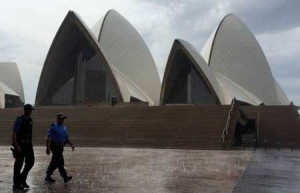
96,28
126,51
129,88
233,90
6,90
205,52
233,51
10,76
203,67
283,99
48,69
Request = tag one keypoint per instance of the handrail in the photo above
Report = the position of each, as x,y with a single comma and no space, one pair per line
230,114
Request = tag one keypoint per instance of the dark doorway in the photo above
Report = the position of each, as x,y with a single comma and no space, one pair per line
12,101
245,134
134,99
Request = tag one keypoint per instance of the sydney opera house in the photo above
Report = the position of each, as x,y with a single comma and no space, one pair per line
105,80
229,81
111,60
11,87
90,66
225,91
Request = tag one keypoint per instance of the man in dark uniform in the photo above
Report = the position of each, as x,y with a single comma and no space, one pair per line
22,143
56,139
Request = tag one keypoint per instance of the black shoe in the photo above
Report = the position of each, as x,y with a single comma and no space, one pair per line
25,185
18,187
49,179
68,178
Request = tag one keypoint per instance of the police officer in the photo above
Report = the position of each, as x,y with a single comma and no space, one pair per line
22,143
56,139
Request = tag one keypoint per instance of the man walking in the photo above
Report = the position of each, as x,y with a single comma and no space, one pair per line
22,143
56,139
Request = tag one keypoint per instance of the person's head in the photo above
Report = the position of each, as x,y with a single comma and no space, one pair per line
60,118
28,109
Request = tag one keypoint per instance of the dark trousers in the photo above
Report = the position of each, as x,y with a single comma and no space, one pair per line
57,160
27,154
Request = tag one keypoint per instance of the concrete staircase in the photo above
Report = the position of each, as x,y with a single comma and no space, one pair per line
181,126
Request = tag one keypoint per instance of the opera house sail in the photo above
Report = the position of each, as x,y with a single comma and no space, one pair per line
129,58
187,78
240,64
231,65
75,71
11,87
86,68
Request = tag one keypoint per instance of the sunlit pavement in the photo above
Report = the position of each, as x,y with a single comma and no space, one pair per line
133,170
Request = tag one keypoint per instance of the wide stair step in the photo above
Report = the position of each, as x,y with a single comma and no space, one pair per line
187,127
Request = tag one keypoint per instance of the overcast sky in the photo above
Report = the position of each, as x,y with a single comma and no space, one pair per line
27,29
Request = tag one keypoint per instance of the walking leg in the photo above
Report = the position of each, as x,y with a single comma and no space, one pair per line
29,162
17,169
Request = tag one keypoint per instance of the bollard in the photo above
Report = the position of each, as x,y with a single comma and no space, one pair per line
254,143
114,101
266,145
244,143
291,146
278,145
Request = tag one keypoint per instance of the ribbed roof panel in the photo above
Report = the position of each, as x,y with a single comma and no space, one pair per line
10,76
236,54
127,52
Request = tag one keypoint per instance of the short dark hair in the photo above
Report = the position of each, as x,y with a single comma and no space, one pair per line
61,116
28,107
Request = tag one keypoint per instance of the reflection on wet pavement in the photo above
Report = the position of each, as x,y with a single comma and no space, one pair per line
271,171
129,170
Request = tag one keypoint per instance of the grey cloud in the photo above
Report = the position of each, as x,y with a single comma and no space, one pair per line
290,86
267,15
282,51
7,47
28,53
260,16
165,2
192,21
290,68
191,17
195,20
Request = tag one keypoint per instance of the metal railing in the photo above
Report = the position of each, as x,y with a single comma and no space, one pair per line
231,115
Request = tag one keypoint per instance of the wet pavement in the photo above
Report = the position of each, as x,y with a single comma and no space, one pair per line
129,170
272,171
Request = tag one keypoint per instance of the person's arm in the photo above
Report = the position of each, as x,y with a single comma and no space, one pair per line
48,140
48,145
16,128
15,143
68,140
70,143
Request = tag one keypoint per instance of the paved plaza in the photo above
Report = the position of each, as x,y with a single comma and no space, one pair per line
129,170
271,171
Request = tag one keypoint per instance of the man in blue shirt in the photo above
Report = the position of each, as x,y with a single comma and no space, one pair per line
23,150
56,139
